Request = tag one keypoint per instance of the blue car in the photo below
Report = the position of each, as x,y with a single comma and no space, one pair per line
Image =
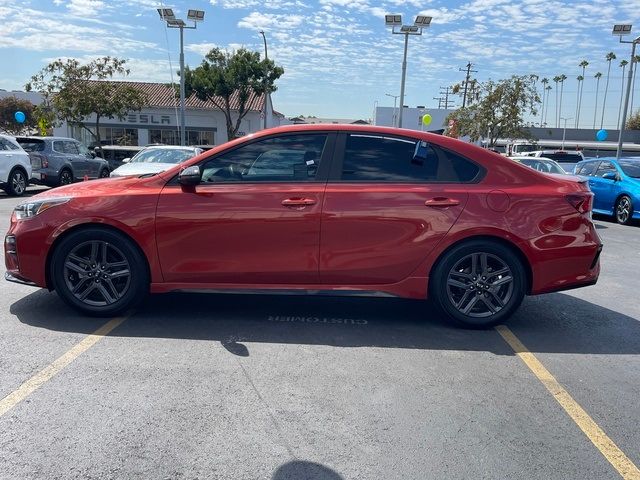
615,185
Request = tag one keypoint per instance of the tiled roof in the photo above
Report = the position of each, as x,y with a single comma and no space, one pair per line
163,96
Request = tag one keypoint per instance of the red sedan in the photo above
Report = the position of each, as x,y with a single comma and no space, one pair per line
322,208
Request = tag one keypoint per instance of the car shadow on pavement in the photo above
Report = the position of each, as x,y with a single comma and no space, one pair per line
551,323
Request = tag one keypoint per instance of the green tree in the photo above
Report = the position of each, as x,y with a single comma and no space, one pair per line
499,111
222,75
623,65
73,92
597,76
634,121
8,108
544,82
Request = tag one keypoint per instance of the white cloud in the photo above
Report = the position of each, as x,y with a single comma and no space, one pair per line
200,48
257,21
85,8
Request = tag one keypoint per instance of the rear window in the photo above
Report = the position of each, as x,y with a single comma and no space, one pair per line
563,157
31,145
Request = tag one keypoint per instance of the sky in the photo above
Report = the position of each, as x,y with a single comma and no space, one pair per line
339,59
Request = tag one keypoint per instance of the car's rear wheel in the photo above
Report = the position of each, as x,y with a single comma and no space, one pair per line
478,284
104,173
66,177
99,272
17,183
624,210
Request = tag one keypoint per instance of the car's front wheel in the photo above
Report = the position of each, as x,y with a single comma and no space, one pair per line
478,284
99,272
624,210
104,173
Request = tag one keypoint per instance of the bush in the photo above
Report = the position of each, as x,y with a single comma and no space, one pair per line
634,121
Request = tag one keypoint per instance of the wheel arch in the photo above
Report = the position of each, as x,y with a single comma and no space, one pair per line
513,247
84,226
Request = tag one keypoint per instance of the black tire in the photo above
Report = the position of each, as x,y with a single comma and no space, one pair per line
65,177
479,296
624,210
99,272
104,173
17,182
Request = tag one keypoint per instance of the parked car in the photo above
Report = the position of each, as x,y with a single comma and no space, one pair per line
541,164
155,159
566,158
15,166
116,154
60,161
338,209
615,185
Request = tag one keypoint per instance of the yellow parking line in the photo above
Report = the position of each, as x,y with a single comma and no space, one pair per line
625,467
46,374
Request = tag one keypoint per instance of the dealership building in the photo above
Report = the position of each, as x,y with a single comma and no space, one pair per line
159,122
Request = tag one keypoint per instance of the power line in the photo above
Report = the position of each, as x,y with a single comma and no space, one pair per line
445,101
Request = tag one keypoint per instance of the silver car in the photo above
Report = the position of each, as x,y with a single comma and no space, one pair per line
155,159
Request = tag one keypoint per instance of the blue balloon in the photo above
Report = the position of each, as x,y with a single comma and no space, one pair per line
601,135
20,117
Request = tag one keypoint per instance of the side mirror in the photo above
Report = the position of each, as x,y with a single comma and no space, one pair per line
126,160
190,176
611,176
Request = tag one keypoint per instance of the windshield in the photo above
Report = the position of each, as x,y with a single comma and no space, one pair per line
31,145
163,155
542,165
630,168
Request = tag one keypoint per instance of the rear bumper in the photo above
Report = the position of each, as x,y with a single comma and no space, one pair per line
579,270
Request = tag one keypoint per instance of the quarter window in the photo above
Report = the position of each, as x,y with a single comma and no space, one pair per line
7,145
385,159
287,158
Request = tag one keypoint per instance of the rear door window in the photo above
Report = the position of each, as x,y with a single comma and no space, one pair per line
70,147
587,169
370,158
604,168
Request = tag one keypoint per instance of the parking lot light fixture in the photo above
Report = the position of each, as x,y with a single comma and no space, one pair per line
394,21
621,30
194,16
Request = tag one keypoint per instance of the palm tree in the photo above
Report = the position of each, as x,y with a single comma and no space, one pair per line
548,89
584,65
623,64
595,109
544,82
563,77
610,56
556,79
580,79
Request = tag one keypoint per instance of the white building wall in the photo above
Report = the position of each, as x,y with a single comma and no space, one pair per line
411,117
164,118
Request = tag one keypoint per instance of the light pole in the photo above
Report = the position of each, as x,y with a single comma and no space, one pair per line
621,30
393,21
394,116
564,130
194,16
266,57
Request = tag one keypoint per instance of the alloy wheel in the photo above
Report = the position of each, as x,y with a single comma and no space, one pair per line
97,273
65,178
104,173
623,210
18,183
480,285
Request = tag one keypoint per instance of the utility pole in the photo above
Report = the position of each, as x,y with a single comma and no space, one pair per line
447,103
466,81
439,102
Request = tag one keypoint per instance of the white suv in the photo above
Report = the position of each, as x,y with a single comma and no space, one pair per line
15,166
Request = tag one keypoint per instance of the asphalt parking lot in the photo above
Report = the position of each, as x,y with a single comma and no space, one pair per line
241,387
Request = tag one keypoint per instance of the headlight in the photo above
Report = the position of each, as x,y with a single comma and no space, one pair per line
31,209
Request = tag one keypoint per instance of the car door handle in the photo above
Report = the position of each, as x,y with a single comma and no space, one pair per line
298,202
442,202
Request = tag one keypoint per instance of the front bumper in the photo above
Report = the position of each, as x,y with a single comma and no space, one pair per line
15,278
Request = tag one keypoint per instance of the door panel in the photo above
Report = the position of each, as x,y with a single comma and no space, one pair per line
240,233
380,234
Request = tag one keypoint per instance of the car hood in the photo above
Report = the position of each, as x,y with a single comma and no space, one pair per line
93,188
141,168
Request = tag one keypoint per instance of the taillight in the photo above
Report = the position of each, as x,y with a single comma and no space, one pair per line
581,202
